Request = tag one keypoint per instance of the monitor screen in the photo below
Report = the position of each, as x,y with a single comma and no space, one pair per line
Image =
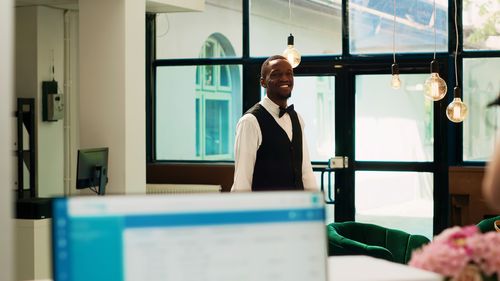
279,236
92,169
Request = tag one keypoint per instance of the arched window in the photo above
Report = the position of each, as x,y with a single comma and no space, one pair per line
215,101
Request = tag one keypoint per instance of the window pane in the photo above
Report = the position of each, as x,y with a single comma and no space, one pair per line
316,26
481,85
208,77
193,123
217,129
393,125
401,200
481,24
181,35
371,26
198,125
224,76
313,98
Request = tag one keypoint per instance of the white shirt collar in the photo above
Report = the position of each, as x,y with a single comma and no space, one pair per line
270,106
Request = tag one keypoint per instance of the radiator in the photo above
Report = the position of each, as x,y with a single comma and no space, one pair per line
181,188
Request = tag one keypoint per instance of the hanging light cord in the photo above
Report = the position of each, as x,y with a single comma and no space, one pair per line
290,12
435,36
394,34
456,44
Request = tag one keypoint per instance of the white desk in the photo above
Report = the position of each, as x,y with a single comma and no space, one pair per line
364,268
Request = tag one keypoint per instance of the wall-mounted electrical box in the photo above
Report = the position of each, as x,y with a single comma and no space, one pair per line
55,107
52,102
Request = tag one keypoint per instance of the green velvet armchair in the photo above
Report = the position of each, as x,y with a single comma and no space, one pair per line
487,224
354,238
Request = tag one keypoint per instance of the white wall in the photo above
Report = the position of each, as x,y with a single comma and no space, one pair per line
112,88
39,46
71,99
50,42
6,137
135,96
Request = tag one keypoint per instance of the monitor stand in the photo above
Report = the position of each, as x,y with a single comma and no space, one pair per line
100,175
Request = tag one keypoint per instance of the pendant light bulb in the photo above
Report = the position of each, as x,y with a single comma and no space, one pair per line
457,110
395,81
291,54
435,87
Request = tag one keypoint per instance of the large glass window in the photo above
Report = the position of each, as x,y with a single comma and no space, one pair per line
371,26
205,117
180,35
481,86
481,24
393,125
195,114
316,26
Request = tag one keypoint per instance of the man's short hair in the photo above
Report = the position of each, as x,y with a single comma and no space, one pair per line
266,63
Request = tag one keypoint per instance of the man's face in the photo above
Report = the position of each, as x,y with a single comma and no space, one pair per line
278,79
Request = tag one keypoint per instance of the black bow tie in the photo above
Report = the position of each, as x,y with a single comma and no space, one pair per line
285,110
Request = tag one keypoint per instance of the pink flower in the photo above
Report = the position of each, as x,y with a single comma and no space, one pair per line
458,251
440,258
486,252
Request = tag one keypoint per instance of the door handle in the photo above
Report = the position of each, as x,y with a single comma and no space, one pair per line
338,162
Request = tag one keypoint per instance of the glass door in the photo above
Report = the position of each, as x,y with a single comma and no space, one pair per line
393,153
386,139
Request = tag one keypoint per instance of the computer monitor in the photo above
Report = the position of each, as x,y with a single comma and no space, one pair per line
92,169
259,236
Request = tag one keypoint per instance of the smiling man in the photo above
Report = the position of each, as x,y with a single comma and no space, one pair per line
270,148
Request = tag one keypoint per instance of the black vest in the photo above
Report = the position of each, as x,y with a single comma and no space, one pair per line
278,165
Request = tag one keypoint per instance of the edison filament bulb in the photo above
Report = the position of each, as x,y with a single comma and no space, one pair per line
435,87
291,54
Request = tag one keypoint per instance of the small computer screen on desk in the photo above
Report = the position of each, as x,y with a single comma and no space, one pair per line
278,236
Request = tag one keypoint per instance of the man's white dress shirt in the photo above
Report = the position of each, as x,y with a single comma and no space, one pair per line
248,140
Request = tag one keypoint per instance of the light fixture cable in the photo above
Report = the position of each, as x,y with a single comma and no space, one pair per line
395,81
394,33
290,12
435,87
456,44
434,23
290,53
456,111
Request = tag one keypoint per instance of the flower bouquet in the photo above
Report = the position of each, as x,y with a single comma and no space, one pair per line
460,254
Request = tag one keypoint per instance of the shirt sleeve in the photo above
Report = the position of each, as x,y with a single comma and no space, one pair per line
247,141
308,178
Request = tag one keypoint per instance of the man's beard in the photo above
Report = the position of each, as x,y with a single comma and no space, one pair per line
286,97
